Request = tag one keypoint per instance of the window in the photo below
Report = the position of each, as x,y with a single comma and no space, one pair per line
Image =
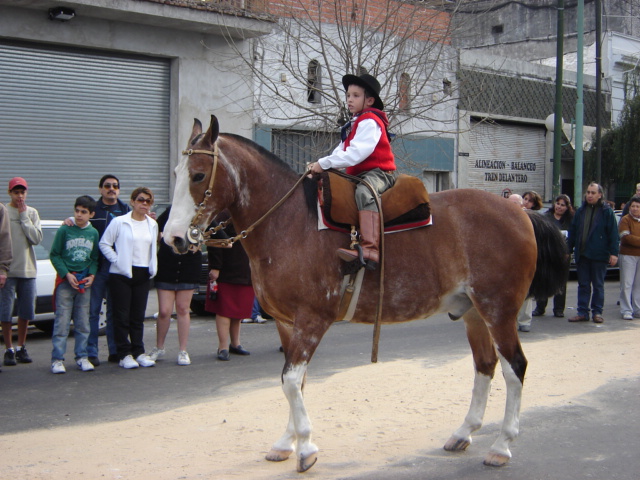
446,87
297,148
314,84
497,29
404,93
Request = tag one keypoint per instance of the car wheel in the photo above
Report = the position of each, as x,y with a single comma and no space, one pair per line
44,326
197,307
102,320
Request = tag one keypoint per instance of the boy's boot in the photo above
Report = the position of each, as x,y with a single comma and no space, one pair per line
369,240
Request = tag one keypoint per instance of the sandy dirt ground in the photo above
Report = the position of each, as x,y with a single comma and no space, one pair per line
364,418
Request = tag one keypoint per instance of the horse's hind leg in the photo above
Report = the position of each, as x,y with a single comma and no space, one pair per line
514,365
485,360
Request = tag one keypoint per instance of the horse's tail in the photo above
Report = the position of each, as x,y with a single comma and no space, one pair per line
553,259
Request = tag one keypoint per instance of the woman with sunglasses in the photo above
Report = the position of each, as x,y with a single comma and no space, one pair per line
129,243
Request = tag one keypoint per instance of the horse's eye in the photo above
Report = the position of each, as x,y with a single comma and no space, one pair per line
198,177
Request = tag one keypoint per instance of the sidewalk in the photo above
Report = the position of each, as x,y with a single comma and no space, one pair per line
152,304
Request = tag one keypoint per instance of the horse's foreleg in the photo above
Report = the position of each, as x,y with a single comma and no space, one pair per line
306,450
513,372
485,360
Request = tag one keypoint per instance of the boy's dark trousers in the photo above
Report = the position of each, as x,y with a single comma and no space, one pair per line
129,300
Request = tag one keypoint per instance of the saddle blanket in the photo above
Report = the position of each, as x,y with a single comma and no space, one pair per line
405,206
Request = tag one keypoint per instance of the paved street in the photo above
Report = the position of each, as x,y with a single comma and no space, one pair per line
596,439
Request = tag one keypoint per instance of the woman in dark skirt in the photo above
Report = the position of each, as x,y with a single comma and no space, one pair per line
234,301
177,278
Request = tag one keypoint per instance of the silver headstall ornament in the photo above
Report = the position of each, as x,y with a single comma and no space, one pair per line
195,234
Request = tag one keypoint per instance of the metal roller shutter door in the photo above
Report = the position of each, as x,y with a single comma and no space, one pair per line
506,156
69,116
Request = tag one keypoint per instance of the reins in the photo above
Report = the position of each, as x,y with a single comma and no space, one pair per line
196,236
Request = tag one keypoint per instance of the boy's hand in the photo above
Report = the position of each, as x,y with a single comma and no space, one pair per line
73,281
69,222
88,281
21,205
213,274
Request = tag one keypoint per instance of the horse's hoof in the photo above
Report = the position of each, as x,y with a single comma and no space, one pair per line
278,455
305,463
494,459
455,444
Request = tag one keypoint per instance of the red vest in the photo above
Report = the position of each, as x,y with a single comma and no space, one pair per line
382,156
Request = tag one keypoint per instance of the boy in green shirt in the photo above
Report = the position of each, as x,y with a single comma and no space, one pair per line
74,255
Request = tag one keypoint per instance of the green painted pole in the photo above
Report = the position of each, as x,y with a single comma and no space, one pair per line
557,127
577,170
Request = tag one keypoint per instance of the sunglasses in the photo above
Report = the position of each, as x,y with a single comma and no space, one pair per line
115,186
148,201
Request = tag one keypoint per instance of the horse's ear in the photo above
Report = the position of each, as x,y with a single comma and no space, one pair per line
214,130
197,130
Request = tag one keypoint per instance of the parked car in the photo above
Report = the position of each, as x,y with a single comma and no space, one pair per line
45,282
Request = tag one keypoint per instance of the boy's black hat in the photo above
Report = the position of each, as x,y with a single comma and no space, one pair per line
369,83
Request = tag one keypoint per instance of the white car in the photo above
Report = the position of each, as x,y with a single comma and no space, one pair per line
46,279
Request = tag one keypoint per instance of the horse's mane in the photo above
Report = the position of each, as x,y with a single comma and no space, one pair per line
310,185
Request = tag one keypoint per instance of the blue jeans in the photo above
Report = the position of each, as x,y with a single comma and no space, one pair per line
255,311
71,303
99,291
591,273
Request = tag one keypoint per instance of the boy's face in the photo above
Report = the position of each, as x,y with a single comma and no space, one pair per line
18,196
82,216
356,99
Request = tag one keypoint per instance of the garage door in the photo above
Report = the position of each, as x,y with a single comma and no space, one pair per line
68,116
506,155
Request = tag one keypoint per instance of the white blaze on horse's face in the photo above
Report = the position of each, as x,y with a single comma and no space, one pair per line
183,206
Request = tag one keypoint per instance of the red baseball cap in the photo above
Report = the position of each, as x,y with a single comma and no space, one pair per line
17,182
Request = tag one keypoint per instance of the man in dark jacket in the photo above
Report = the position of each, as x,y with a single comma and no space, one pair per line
594,239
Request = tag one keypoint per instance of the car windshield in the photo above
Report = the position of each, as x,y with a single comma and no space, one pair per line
44,247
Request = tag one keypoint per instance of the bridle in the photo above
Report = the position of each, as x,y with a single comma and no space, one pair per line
196,235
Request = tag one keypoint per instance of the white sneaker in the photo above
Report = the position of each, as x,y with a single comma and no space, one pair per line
259,319
183,358
144,360
627,316
156,353
247,320
84,364
58,367
128,362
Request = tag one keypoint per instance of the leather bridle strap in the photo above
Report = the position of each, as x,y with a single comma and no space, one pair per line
195,234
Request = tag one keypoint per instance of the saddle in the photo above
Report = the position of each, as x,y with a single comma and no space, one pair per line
404,206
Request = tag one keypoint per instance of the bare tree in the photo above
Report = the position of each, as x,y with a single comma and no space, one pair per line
297,69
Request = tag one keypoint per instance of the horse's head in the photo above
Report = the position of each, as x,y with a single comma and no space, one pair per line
201,188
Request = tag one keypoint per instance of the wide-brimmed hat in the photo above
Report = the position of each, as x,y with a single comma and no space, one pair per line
369,83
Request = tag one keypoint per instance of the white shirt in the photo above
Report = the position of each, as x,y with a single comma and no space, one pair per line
360,148
140,256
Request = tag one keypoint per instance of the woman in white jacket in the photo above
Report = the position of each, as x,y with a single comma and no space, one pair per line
129,243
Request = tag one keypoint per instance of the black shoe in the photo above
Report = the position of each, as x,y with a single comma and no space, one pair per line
9,358
238,350
223,355
558,313
537,313
22,356
113,358
95,361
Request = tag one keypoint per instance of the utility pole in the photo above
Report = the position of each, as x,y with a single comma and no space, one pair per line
598,90
577,167
557,127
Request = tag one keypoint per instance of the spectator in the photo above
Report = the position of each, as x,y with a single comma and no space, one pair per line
74,255
531,200
234,301
629,229
625,207
594,239
108,207
524,315
5,246
129,243
21,278
561,215
178,276
256,314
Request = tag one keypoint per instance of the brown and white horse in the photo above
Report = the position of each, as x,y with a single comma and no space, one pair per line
477,261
